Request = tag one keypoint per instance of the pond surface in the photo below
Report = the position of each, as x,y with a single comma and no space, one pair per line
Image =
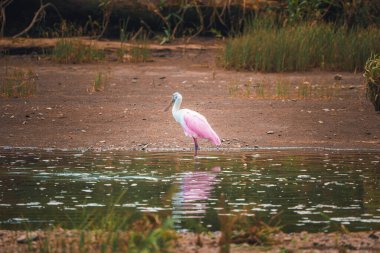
306,190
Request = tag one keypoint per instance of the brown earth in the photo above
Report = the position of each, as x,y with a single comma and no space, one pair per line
62,240
128,114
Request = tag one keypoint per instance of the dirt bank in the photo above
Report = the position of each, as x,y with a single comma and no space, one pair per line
64,113
36,241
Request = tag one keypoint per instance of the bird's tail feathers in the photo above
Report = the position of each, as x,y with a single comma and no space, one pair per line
215,139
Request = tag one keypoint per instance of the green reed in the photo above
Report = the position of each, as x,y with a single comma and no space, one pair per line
267,47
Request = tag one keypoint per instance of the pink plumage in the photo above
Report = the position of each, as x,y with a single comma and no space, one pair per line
198,127
193,123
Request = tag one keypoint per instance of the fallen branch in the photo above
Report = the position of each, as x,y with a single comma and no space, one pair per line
3,18
37,16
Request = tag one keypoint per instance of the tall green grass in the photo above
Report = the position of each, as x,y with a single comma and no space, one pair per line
267,47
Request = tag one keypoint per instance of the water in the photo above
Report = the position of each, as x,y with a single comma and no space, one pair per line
306,190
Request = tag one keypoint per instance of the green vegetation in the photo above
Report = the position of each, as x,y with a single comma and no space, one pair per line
167,20
18,83
116,234
62,30
284,89
71,51
115,230
241,228
372,75
137,52
112,231
99,83
266,47
254,231
268,36
149,234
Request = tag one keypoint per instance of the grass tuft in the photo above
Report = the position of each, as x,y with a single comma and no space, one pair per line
18,83
240,228
112,231
72,51
116,232
149,234
138,52
99,83
284,89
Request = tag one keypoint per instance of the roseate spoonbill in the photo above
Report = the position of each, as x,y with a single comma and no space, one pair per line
193,123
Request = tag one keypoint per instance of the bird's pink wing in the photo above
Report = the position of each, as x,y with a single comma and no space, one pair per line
197,126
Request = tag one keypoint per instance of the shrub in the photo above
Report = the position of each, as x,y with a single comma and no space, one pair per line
372,75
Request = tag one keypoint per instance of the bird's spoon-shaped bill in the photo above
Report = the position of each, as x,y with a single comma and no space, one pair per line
170,104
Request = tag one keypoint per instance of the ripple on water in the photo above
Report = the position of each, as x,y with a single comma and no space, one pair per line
310,190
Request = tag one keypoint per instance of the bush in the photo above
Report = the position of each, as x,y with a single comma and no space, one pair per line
372,75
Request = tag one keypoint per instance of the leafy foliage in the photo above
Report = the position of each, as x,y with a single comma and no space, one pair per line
372,75
372,69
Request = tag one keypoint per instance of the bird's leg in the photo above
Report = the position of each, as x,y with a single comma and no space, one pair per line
196,147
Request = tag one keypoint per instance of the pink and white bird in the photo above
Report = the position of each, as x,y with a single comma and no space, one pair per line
193,123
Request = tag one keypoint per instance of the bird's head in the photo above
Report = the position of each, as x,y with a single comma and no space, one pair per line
176,96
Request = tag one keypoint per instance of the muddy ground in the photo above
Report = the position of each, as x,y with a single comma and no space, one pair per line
61,240
66,113
128,114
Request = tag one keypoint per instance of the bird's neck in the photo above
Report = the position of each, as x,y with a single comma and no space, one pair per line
176,106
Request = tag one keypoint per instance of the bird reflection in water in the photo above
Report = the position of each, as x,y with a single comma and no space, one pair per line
195,188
